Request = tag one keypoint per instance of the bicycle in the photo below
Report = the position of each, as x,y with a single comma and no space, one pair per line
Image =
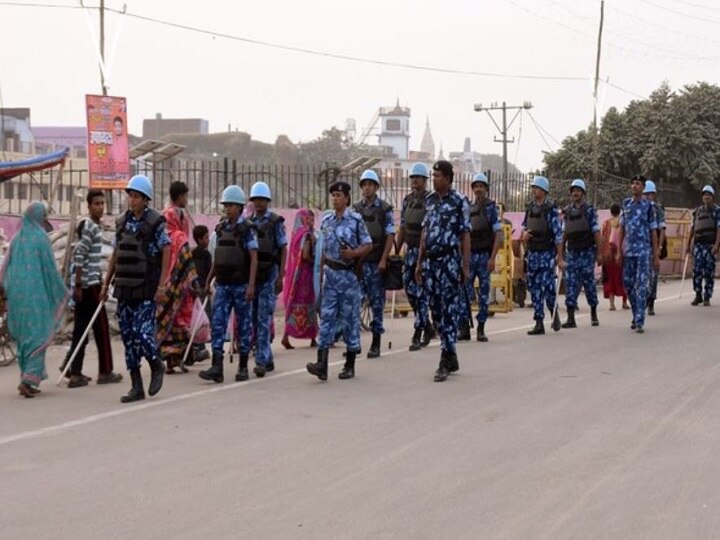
8,349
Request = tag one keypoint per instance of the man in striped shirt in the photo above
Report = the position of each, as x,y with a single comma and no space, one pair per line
88,282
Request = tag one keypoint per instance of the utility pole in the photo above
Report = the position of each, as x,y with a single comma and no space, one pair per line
504,132
595,99
102,46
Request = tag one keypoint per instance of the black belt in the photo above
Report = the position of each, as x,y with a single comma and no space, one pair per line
335,265
439,254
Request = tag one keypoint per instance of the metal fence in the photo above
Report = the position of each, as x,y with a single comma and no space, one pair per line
296,186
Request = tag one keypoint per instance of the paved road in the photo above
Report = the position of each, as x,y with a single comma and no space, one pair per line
590,433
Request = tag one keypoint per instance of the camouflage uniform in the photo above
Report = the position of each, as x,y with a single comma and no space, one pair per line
660,215
541,258
479,268
639,220
704,267
416,295
446,220
580,258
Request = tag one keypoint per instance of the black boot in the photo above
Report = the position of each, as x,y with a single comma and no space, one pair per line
137,392
452,362
348,370
215,372
320,368
570,323
698,300
539,329
242,373
481,332
556,322
428,335
593,316
464,334
442,372
374,351
651,307
157,372
415,344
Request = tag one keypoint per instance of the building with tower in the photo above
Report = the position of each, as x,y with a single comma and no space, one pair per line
395,129
427,146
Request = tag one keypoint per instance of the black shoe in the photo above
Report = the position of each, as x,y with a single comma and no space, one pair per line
481,332
651,307
136,392
539,329
374,351
319,368
442,372
415,344
76,381
464,334
359,351
199,355
215,372
593,316
570,323
452,362
706,302
259,371
556,322
348,370
640,329
157,372
428,335
270,368
697,301
633,326
242,375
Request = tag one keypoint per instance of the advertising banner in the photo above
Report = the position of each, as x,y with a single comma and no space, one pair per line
108,160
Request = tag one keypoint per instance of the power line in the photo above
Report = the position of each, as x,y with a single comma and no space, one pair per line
682,13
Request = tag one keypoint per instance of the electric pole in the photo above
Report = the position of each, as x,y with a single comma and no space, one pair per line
595,98
504,132
102,47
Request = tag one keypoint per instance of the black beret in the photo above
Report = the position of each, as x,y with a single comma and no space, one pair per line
340,186
444,167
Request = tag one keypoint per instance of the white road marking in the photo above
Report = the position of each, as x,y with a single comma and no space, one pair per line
133,408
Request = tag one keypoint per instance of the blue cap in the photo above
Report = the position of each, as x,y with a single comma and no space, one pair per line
579,183
419,169
649,187
369,174
542,183
480,177
141,184
708,189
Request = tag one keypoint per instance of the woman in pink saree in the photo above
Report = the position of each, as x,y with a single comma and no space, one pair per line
298,292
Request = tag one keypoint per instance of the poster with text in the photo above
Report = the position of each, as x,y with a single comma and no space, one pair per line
108,160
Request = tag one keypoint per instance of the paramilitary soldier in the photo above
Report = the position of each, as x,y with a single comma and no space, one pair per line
271,254
345,241
704,244
139,263
234,269
650,193
543,235
638,222
379,220
583,240
485,239
444,261
411,218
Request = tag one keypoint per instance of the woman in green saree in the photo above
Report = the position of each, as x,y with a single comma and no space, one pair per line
35,296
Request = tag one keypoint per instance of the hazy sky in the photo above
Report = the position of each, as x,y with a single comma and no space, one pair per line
48,62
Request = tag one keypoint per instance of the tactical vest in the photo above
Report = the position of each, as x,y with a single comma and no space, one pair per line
705,226
538,224
577,228
268,254
232,262
137,273
414,215
482,236
374,218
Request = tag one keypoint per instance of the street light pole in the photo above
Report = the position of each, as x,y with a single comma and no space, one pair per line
503,132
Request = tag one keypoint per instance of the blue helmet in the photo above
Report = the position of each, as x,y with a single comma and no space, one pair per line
579,183
480,177
542,183
419,169
369,174
233,195
141,184
260,190
709,189
649,187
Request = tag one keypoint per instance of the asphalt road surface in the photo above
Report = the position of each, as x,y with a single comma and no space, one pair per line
587,433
